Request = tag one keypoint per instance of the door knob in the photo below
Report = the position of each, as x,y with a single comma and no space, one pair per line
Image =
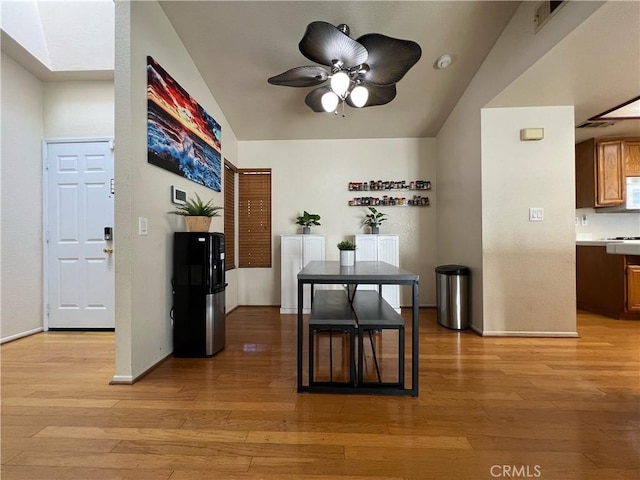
108,250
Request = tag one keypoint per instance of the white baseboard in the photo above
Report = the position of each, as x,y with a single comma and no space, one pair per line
475,329
11,338
121,380
293,311
501,333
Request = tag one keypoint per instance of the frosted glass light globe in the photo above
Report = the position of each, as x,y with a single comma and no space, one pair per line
359,96
329,102
340,83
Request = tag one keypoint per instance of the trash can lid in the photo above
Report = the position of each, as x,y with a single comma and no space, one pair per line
453,270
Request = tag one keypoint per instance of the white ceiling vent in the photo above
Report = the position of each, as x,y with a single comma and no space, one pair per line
544,11
595,124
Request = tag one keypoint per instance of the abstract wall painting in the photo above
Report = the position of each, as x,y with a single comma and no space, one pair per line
181,136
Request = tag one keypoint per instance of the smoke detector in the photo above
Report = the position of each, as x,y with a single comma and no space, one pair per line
443,61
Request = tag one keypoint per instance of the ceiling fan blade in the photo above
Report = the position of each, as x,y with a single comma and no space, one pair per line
378,95
323,43
300,77
314,99
389,58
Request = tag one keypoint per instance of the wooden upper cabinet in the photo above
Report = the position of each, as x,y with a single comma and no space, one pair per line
600,173
632,158
610,174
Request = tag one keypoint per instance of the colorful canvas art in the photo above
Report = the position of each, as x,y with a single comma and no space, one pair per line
181,136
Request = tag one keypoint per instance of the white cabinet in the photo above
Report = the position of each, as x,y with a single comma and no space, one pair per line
384,248
296,251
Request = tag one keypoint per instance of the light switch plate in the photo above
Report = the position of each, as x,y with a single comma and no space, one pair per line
536,214
143,226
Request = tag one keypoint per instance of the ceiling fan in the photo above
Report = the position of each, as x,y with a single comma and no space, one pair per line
362,72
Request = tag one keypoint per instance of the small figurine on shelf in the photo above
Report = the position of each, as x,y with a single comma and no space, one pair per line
373,219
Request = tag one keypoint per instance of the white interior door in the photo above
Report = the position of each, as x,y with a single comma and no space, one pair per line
80,261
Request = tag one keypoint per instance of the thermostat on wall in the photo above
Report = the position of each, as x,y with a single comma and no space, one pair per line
178,195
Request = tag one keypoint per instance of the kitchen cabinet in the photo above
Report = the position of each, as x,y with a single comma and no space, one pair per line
383,248
295,252
601,168
599,173
633,288
608,284
632,158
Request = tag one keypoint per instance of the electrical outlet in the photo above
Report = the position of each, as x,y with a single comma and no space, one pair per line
583,221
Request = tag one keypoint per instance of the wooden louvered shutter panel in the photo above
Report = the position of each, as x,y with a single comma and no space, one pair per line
254,218
229,215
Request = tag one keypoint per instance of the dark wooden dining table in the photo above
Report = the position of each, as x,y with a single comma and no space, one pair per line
362,273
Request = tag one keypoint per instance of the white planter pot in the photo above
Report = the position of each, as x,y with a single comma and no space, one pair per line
347,258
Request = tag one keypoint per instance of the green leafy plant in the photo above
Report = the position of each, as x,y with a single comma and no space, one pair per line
346,245
374,218
197,208
308,219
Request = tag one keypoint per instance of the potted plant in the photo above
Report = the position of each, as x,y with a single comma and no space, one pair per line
197,214
373,219
347,253
307,220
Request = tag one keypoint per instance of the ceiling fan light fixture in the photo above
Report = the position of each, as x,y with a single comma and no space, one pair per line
340,83
374,62
359,96
330,102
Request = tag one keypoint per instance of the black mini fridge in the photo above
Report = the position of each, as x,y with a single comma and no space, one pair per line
198,294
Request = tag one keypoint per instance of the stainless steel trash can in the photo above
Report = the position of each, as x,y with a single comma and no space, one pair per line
452,295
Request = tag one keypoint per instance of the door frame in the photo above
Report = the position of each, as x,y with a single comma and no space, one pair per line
45,217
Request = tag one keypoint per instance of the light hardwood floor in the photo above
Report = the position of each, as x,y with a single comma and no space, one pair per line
548,408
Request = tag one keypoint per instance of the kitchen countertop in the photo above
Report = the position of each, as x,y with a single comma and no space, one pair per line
616,247
597,243
627,247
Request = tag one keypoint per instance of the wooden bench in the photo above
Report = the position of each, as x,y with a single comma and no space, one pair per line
331,313
373,313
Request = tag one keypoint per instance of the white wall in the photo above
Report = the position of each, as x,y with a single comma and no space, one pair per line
21,20
34,110
313,175
603,225
21,301
63,36
143,263
459,161
528,267
78,109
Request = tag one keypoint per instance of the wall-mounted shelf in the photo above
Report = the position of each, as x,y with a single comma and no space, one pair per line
380,185
386,201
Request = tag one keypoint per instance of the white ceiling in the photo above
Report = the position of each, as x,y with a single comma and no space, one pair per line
595,68
63,36
237,45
